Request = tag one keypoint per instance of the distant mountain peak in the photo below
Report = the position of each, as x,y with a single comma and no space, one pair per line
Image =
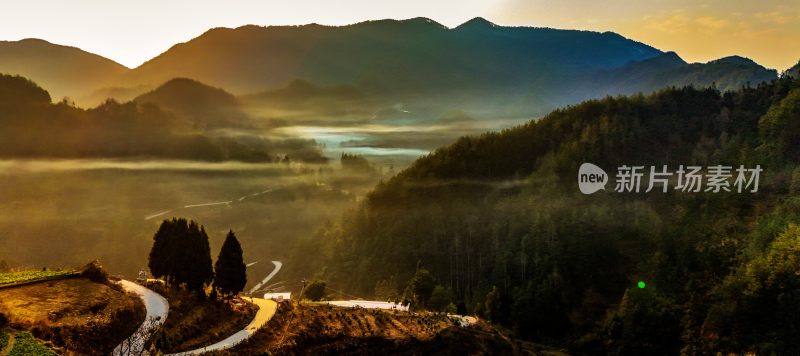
205,106
186,87
663,61
670,57
33,40
794,71
63,70
735,60
182,81
477,22
422,20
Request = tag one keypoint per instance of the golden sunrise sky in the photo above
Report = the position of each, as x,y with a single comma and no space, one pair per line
131,32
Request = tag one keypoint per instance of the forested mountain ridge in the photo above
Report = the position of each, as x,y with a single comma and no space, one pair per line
202,105
34,127
668,69
386,55
499,221
479,67
484,69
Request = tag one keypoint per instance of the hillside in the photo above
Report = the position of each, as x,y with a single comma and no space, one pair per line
794,71
669,70
385,55
33,127
205,107
77,316
65,71
74,315
479,67
305,329
500,224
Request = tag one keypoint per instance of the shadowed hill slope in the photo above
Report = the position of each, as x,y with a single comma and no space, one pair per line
65,71
204,106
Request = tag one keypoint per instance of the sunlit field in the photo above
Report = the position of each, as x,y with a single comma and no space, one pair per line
65,213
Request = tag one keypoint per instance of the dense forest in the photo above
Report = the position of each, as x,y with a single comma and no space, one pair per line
497,224
154,126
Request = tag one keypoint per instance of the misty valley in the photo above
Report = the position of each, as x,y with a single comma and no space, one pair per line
108,210
393,186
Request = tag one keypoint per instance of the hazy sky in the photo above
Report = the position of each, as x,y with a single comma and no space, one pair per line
132,32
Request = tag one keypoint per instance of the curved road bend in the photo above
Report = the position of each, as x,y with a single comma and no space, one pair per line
266,309
278,265
157,308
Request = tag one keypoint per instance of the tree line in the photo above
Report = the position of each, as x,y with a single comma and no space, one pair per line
182,257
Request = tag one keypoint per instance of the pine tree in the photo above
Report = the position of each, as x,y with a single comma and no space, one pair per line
197,271
181,254
422,284
231,272
163,259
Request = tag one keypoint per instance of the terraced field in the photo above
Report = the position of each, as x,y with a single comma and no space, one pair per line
74,314
33,275
25,344
3,341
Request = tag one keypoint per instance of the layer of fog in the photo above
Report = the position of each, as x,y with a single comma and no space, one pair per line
65,213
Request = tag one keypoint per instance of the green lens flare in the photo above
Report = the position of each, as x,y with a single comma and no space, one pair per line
641,285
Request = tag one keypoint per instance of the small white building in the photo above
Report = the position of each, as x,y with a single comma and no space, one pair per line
278,297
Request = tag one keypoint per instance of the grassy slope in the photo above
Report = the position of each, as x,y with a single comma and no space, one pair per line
29,276
25,345
3,340
79,315
303,329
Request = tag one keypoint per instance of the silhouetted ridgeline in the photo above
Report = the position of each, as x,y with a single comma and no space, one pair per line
500,223
35,127
64,70
204,106
479,67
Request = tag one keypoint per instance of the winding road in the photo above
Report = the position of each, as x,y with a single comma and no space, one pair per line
157,309
278,265
266,309
215,203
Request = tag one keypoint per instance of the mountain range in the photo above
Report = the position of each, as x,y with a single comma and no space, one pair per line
480,67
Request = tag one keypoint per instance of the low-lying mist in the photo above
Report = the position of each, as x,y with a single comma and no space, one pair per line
67,212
